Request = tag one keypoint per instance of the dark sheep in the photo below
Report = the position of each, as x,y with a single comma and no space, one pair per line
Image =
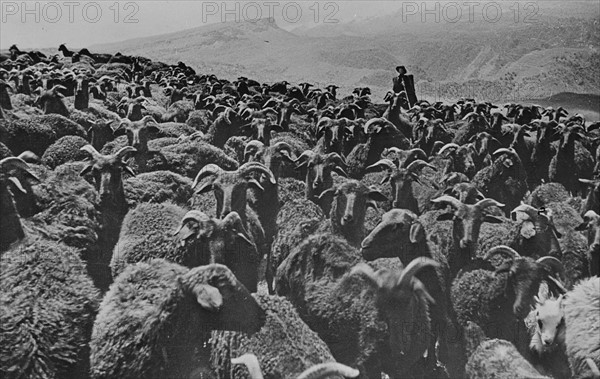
66,149
48,308
157,316
51,101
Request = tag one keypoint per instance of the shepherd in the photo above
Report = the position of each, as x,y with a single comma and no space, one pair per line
404,82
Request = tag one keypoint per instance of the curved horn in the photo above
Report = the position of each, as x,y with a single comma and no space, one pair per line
554,264
381,164
504,151
414,154
233,219
488,203
249,167
91,150
282,146
502,250
328,369
419,164
13,162
335,158
412,268
208,170
124,150
306,155
368,272
446,147
448,200
251,148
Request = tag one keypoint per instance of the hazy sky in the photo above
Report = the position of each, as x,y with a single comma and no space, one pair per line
83,23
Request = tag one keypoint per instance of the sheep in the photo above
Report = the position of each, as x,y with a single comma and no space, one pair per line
547,332
400,234
542,151
278,157
10,222
401,180
296,220
158,187
498,358
284,347
107,171
563,167
199,240
381,134
545,194
592,201
82,93
505,180
467,220
537,234
157,316
460,159
349,202
226,125
591,223
65,149
230,191
356,310
582,326
4,96
318,172
51,101
38,133
394,114
498,302
475,123
47,309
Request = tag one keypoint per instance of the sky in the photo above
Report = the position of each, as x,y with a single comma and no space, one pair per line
40,24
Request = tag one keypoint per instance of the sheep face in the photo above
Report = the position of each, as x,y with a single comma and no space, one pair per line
134,111
319,168
467,220
350,203
138,132
523,283
591,223
399,232
550,324
10,223
107,173
218,291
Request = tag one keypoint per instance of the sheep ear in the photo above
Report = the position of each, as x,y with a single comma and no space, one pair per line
208,297
17,184
417,232
537,300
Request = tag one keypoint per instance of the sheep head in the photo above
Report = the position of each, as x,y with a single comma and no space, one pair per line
461,158
399,234
318,170
349,204
228,303
401,180
591,223
138,132
525,275
230,187
402,300
467,219
107,173
533,221
550,324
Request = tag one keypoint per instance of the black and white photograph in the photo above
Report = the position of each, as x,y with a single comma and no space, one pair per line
280,189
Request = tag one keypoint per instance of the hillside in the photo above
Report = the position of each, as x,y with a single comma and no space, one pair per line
502,61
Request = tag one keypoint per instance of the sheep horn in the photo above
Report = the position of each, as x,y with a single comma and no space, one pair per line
448,200
488,203
249,167
233,219
306,155
447,147
504,151
124,150
502,250
419,164
412,268
13,162
208,170
415,154
282,146
93,152
328,369
335,158
368,272
381,164
554,264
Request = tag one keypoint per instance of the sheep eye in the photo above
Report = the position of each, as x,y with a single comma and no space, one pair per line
540,324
